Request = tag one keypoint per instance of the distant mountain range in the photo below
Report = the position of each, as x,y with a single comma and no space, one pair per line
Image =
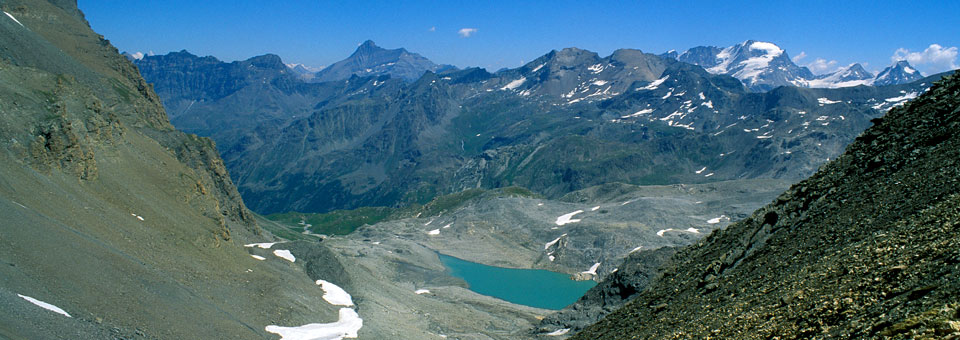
565,121
762,66
306,73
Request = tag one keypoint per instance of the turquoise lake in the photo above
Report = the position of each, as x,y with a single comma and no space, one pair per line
530,287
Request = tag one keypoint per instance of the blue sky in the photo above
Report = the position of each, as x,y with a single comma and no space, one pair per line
508,33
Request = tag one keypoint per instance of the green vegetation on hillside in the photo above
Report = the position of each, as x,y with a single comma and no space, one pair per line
343,222
337,222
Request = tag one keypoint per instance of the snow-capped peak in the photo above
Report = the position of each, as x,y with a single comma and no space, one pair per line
758,64
899,73
852,75
302,67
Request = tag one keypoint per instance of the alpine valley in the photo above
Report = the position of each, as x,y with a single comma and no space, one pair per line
721,192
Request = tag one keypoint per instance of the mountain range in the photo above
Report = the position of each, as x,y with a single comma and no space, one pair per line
565,121
762,66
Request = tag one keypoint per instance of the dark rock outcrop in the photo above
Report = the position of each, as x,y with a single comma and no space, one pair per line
632,277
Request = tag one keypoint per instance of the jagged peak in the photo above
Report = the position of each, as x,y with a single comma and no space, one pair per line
905,66
369,47
184,53
899,72
855,66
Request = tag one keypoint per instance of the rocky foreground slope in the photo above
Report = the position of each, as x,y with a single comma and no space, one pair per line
865,248
128,227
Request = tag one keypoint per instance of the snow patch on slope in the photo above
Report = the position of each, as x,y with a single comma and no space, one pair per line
346,327
285,254
547,246
592,270
14,19
654,84
564,219
334,294
514,84
42,304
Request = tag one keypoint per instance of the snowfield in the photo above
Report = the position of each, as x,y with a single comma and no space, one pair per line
285,254
567,218
260,245
334,294
346,327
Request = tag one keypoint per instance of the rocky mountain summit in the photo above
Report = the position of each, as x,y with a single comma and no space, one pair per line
372,60
761,66
864,248
898,73
851,75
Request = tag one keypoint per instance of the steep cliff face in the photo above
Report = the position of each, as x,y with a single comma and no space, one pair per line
865,248
131,227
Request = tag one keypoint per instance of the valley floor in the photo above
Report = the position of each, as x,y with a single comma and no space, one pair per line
403,291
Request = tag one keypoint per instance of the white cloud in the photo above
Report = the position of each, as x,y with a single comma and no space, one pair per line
934,59
797,58
466,32
432,29
822,66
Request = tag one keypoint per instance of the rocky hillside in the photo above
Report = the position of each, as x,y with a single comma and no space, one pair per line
865,248
116,225
617,288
